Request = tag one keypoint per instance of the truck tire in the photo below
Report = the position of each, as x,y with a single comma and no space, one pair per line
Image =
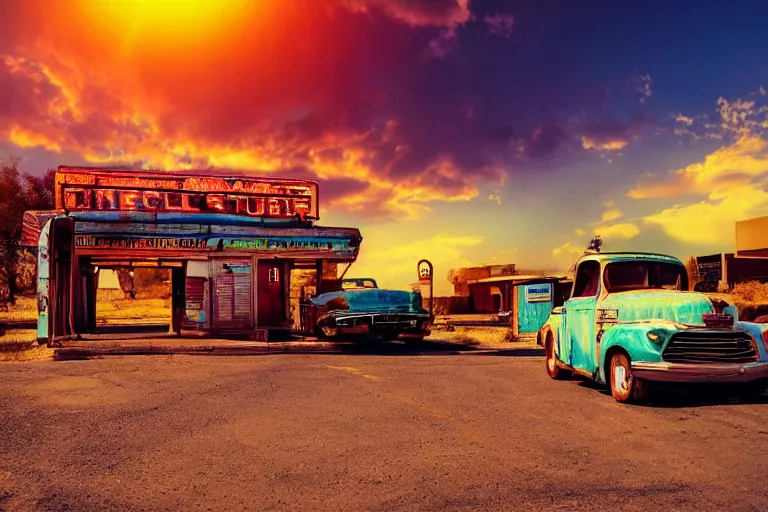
625,388
553,370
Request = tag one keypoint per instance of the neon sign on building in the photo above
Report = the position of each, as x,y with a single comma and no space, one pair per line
84,189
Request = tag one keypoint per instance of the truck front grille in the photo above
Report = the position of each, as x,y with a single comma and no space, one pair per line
710,347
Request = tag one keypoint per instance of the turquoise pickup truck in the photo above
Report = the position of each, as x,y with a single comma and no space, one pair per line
629,322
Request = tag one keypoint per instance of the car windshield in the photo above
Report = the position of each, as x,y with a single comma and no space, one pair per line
358,283
640,275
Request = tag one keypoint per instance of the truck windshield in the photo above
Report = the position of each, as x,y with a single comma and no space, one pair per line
640,275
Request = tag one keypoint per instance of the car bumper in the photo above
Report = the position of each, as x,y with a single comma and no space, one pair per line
675,372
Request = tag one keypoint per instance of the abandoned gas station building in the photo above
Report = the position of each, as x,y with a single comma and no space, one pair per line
230,242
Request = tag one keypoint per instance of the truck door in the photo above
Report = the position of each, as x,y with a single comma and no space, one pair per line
580,313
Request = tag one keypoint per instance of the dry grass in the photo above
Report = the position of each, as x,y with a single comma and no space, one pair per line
133,310
17,339
751,292
21,345
25,310
481,337
111,307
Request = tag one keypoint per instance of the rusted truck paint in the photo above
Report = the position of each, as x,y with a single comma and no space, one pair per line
630,322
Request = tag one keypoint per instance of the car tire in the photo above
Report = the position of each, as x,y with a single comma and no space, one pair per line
413,341
625,387
553,370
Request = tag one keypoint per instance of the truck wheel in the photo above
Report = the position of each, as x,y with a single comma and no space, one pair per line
625,388
553,370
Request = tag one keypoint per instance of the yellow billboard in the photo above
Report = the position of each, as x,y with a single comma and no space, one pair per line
752,237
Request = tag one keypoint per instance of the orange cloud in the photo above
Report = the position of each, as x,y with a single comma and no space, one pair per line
611,214
729,166
606,145
441,13
624,231
711,221
612,135
163,92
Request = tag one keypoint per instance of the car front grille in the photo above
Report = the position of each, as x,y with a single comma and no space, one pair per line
391,319
710,347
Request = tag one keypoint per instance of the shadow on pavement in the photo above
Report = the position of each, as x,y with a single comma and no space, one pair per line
678,396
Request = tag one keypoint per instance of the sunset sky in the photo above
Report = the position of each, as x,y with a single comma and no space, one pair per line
466,132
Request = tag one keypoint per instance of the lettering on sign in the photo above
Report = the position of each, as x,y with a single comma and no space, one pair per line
284,244
99,242
119,191
710,267
538,293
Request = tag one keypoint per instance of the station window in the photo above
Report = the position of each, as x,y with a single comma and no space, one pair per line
78,199
195,201
173,200
256,206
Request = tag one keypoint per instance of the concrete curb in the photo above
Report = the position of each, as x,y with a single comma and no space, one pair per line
93,350
80,352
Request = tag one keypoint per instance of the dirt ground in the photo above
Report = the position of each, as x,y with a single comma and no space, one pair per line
395,432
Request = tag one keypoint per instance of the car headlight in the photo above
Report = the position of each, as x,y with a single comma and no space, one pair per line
414,323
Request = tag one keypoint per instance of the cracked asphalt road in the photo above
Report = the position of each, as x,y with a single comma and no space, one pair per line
397,432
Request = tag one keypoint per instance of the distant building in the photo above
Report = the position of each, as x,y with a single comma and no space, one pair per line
749,262
752,238
492,288
108,280
723,270
461,277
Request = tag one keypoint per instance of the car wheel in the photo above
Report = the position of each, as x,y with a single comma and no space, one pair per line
625,388
553,370
413,341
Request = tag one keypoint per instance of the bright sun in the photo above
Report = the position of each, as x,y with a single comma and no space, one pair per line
168,21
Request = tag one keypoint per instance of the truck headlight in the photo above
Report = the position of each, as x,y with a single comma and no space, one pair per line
655,337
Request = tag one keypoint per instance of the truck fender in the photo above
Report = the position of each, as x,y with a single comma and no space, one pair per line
630,338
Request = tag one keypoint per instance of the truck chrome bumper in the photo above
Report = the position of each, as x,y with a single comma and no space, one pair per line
675,372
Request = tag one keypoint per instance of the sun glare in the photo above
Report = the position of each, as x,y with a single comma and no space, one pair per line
169,21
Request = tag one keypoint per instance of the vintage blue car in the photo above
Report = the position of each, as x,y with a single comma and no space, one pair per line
388,314
629,323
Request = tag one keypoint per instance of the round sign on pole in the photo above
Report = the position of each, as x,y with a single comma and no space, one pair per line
424,269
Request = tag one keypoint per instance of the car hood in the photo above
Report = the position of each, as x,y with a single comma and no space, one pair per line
371,300
682,307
